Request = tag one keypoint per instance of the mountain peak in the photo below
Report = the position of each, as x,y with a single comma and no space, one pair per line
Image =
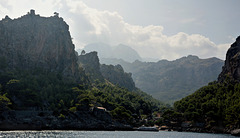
192,57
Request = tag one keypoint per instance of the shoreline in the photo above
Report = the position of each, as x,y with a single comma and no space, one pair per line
111,130
94,129
79,121
59,130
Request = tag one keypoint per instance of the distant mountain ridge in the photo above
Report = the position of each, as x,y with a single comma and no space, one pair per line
171,80
106,51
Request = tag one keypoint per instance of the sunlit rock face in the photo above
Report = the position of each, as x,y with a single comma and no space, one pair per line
231,69
32,41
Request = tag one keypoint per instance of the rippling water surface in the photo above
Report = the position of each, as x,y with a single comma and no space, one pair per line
108,134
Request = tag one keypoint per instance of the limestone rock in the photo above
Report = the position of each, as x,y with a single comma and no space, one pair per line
231,68
116,75
90,63
32,41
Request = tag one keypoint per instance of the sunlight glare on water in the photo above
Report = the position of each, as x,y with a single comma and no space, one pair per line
108,134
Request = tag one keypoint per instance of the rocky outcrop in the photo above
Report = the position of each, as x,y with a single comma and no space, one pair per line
116,75
90,63
231,68
32,41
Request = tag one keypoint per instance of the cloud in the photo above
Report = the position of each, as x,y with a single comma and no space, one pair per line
89,25
221,50
4,7
15,8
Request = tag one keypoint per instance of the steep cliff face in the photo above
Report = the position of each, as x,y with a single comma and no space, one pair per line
90,63
117,76
231,68
32,41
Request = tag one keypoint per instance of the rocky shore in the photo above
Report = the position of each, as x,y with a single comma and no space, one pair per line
215,130
46,120
95,119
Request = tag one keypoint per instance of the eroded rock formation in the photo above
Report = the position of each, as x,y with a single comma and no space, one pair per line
231,68
90,63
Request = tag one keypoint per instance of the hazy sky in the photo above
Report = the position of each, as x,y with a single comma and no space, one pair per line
163,29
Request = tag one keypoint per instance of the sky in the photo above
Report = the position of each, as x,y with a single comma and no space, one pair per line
159,29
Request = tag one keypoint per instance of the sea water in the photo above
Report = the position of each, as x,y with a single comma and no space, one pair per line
107,134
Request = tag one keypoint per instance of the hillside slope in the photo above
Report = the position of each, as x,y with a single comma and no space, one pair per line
171,80
217,104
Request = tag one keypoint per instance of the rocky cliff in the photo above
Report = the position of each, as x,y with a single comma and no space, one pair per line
90,63
32,41
114,74
117,76
231,68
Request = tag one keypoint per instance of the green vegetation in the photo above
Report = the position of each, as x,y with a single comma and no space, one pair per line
43,90
217,104
4,103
